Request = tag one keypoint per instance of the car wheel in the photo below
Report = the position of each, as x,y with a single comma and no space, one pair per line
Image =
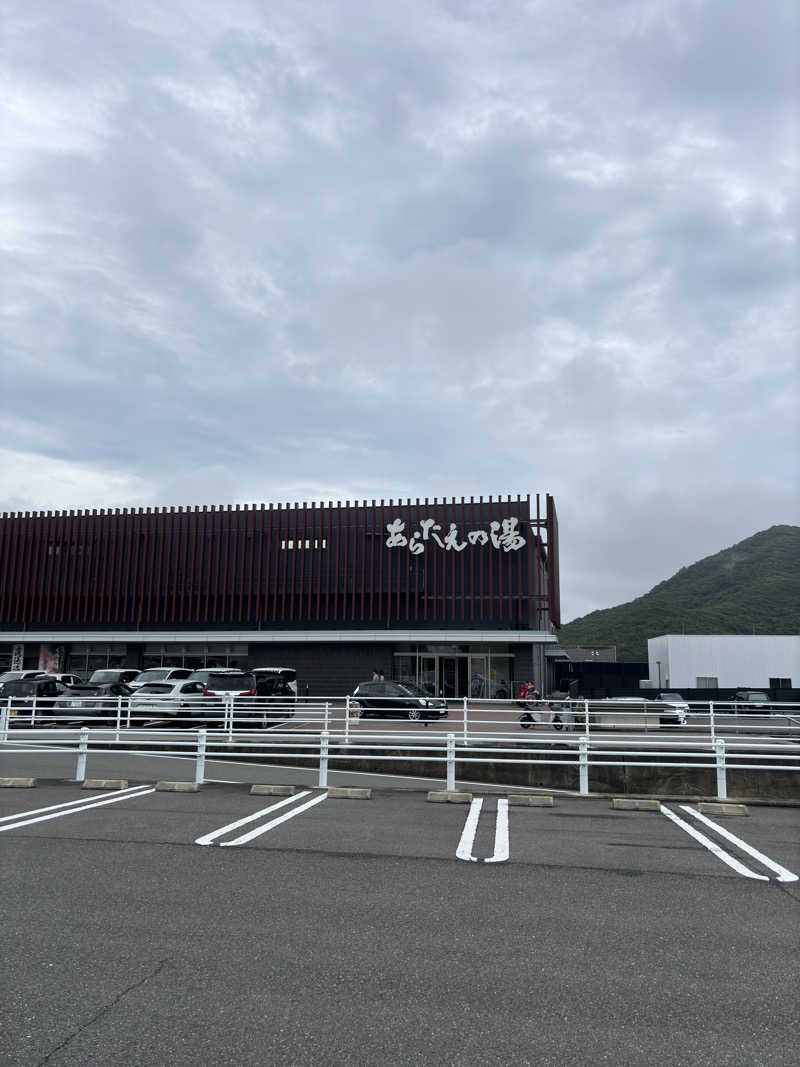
526,721
414,714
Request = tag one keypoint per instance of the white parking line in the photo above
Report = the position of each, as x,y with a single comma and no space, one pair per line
464,850
128,795
66,804
274,822
719,852
207,839
782,873
501,847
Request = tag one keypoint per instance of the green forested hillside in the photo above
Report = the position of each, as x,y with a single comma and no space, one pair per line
753,587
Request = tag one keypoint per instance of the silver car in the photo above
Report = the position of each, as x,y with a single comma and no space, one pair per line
159,674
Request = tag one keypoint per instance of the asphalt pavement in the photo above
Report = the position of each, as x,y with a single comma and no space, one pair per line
314,930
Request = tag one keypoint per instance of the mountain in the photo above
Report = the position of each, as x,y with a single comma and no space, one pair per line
753,587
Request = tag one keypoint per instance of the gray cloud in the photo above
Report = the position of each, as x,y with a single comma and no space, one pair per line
316,251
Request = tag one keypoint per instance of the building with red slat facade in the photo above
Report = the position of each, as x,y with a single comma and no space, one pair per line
459,594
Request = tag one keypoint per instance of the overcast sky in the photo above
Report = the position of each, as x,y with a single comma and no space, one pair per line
265,251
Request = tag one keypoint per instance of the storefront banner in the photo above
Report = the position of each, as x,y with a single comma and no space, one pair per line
51,658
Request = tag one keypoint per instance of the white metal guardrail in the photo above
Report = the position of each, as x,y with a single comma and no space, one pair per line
581,734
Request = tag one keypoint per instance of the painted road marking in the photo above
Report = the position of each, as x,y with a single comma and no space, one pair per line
274,822
464,850
66,804
208,839
501,845
138,791
782,873
719,852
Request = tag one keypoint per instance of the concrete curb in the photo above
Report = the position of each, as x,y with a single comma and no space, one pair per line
711,808
17,783
525,800
444,796
272,790
177,787
629,804
348,793
105,783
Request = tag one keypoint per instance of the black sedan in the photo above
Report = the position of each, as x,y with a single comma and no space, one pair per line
396,700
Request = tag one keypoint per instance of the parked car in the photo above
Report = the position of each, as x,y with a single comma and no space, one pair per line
278,691
159,674
287,674
169,698
113,674
205,673
27,698
396,699
92,701
634,713
15,676
752,701
225,682
67,679
673,702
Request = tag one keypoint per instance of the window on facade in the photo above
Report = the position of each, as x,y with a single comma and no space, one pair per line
780,683
707,682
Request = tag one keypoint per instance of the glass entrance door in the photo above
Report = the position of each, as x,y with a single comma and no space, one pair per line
453,676
428,677
478,676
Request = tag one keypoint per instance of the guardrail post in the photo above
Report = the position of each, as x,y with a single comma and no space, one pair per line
326,727
119,717
586,716
347,720
583,766
466,727
323,759
200,758
451,763
5,711
722,784
33,710
711,719
83,747
229,718
128,713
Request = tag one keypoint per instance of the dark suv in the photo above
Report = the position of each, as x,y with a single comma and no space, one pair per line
28,697
397,699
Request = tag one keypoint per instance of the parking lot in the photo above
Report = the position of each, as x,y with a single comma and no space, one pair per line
153,927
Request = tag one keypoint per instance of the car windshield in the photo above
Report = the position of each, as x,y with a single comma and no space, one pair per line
153,674
671,696
756,696
104,677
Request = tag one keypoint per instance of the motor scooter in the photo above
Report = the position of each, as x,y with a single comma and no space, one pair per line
531,717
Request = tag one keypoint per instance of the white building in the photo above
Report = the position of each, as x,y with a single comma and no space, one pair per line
727,661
